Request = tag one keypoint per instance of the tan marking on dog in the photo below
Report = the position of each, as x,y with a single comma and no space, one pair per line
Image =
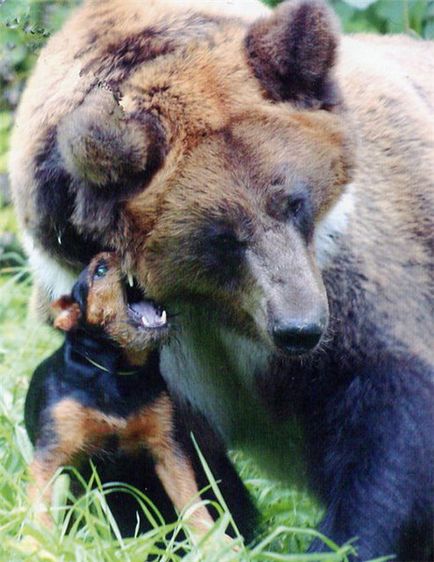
40,489
66,317
81,429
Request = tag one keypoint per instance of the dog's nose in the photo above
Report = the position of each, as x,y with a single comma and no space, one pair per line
297,338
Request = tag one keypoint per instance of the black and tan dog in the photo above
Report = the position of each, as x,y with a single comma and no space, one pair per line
101,396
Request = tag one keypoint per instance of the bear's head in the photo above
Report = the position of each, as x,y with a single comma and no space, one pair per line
210,168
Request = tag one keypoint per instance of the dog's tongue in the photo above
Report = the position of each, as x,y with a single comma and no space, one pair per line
151,316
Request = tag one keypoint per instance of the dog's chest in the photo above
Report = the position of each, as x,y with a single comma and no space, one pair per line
84,429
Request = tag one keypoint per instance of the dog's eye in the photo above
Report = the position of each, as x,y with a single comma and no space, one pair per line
101,270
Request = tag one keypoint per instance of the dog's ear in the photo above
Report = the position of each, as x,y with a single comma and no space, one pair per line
66,313
292,53
103,148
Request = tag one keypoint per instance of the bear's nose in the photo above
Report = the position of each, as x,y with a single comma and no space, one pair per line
297,338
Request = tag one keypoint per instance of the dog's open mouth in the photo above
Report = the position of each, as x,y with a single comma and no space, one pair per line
143,312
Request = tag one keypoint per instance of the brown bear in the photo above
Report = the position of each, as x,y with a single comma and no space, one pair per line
271,183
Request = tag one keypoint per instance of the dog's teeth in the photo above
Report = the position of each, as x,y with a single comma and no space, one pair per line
130,280
163,317
145,322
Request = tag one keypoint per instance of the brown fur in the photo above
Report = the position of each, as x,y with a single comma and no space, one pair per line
260,119
286,61
202,102
67,314
211,106
80,429
212,88
110,161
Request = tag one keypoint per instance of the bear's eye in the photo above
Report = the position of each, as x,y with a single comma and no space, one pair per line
227,242
282,207
101,270
295,206
300,212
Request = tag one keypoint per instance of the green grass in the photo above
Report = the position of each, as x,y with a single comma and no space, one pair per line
288,515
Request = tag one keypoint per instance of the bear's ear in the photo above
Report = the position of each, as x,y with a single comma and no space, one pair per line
66,312
105,149
292,53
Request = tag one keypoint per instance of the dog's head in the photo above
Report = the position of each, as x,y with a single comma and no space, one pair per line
103,298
